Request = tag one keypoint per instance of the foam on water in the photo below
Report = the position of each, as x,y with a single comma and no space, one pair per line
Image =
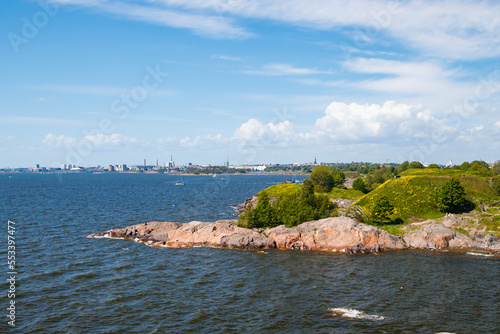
354,314
479,254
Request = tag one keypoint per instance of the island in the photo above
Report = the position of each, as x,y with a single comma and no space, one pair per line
416,208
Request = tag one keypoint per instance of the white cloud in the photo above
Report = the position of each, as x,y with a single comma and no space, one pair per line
389,123
427,82
375,123
212,26
224,57
462,29
206,141
285,69
58,141
259,133
97,141
404,77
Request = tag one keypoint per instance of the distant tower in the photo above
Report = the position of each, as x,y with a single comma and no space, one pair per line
156,162
315,162
227,162
144,162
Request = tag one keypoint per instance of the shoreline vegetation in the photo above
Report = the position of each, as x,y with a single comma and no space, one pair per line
395,198
363,210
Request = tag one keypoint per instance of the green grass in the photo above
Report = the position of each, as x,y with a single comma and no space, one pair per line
394,229
350,194
415,196
461,230
492,225
433,172
281,190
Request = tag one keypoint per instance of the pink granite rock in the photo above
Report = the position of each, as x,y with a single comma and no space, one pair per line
337,234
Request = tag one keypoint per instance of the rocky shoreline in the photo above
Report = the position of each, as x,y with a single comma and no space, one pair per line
341,234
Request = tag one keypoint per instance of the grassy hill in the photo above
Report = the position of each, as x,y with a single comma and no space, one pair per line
280,190
414,194
414,197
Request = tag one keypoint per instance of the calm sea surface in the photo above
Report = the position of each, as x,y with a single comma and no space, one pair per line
68,283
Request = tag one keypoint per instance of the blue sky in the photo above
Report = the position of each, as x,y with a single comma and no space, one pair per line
108,82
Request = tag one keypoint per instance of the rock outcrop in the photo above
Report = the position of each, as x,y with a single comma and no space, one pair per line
340,233
433,235
331,234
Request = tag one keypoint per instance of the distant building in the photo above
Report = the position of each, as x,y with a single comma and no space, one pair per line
260,168
171,163
67,166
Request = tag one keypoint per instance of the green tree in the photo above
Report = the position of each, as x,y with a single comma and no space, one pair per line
496,185
401,168
415,165
338,178
263,215
288,209
363,170
434,166
496,168
360,185
382,208
451,197
464,166
480,167
379,176
322,179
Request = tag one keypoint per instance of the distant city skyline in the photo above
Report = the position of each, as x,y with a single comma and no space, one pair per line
171,165
105,82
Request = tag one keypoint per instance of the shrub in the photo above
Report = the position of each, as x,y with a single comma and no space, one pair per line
322,179
288,209
360,185
451,197
382,208
416,165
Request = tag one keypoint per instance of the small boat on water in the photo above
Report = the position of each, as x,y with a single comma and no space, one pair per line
179,182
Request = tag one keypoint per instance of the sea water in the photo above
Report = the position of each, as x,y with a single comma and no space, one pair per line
68,283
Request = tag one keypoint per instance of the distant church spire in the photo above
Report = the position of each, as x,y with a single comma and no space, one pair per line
315,162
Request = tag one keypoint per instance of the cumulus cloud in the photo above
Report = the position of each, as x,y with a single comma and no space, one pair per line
58,141
354,122
259,133
390,125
